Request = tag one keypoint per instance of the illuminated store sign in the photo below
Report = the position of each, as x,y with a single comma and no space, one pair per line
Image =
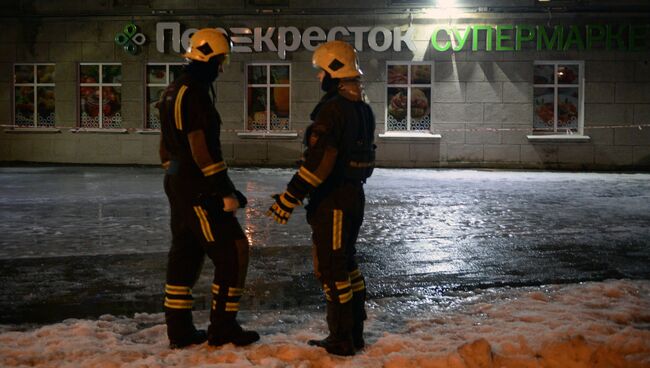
483,38
130,39
559,38
283,39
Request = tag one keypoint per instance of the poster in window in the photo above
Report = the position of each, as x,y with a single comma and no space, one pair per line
567,108
544,108
24,74
89,107
257,107
112,74
24,106
156,74
397,74
567,74
279,74
421,74
112,107
45,106
420,108
89,74
257,74
279,108
45,73
397,108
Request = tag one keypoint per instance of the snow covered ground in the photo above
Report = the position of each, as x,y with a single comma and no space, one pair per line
594,324
465,268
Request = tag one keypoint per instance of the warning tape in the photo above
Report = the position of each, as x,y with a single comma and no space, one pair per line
479,129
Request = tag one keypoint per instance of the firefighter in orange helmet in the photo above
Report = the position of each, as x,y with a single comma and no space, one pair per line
339,157
203,201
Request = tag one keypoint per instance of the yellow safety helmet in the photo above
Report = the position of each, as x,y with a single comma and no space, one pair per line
206,43
338,58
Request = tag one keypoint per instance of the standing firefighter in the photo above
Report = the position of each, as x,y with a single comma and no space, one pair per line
339,158
203,201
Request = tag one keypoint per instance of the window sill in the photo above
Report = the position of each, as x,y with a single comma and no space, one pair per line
33,130
267,135
148,131
558,138
410,135
100,130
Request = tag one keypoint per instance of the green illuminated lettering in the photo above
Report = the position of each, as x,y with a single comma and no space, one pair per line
615,37
519,35
550,43
638,37
501,37
461,39
488,37
574,37
434,40
592,36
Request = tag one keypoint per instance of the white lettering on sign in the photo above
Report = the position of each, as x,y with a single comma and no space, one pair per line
313,34
265,38
288,39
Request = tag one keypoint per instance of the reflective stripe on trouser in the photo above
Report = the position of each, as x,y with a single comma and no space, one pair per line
202,216
178,297
226,298
341,293
357,280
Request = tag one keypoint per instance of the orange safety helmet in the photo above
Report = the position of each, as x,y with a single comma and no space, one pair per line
338,58
206,43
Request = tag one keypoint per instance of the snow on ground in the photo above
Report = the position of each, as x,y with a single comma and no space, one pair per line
594,324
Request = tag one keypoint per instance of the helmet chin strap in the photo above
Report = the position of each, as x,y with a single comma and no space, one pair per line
205,71
329,84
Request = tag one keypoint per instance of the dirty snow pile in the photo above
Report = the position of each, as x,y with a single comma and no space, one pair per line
596,324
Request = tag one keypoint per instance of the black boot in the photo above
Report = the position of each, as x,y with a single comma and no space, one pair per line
339,322
358,316
334,346
224,329
180,329
234,334
198,337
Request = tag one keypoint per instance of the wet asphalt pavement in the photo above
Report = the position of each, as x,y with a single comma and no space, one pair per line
82,241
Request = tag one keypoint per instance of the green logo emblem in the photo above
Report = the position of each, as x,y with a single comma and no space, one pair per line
130,39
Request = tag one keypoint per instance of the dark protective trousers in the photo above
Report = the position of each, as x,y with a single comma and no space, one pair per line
335,223
200,227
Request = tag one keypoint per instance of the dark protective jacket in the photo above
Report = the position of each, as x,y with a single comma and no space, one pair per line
190,146
340,144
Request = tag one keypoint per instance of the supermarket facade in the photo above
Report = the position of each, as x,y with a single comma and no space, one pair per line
497,84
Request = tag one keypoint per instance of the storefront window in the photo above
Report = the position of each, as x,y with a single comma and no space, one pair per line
268,91
557,97
408,96
100,95
34,99
159,75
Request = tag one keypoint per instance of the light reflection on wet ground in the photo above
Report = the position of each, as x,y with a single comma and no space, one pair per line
83,241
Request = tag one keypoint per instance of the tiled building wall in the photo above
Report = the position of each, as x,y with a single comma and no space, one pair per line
481,104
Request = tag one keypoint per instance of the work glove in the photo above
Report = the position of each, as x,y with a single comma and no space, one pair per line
281,210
